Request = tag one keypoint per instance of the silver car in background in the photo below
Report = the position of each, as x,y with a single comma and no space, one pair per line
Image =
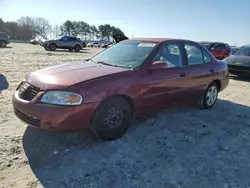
64,42
239,62
4,39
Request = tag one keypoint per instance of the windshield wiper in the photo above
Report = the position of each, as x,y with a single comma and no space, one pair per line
91,60
103,63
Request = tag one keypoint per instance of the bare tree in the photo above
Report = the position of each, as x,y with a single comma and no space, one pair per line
38,25
43,27
28,22
56,31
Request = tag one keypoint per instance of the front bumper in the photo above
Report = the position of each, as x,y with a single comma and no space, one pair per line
53,117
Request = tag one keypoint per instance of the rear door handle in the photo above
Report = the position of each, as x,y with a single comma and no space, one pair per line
182,74
211,70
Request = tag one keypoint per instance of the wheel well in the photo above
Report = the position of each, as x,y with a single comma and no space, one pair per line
3,41
53,43
218,83
127,98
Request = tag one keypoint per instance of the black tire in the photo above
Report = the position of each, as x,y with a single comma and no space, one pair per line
108,126
208,100
77,48
3,43
52,46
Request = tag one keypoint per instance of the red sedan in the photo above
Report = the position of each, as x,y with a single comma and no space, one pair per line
218,49
133,77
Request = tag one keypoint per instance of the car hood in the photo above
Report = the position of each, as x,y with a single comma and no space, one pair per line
65,75
238,60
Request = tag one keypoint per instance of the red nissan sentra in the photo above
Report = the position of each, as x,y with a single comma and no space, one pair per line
133,77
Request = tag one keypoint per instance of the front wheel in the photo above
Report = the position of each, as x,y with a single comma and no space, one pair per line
3,43
210,96
52,47
112,118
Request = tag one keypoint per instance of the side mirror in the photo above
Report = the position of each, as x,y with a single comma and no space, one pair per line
158,65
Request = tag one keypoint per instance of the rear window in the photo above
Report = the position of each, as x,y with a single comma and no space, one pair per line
220,47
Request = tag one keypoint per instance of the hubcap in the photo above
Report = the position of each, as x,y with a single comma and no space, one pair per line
53,47
211,95
113,118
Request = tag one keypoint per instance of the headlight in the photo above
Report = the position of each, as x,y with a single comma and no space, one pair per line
61,98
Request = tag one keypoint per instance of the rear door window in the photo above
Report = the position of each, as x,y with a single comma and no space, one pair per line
194,54
206,56
72,39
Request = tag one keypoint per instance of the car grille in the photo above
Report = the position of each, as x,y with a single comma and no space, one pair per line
27,91
27,119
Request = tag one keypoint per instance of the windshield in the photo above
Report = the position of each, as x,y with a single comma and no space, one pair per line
234,50
243,51
129,54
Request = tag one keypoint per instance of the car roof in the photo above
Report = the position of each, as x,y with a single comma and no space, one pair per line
69,36
3,33
247,45
159,39
203,42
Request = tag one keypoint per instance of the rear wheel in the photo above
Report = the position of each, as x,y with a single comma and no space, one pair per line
210,96
112,118
3,43
77,48
52,46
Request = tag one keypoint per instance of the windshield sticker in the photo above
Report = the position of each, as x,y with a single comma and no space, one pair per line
146,44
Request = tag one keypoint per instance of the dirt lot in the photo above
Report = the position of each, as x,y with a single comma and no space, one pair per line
177,147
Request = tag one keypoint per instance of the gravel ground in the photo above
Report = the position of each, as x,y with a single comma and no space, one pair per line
178,147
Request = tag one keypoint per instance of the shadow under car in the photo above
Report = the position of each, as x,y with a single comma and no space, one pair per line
178,147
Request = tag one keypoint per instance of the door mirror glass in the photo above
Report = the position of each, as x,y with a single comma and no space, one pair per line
158,65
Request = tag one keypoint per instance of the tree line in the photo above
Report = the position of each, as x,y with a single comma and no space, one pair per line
26,28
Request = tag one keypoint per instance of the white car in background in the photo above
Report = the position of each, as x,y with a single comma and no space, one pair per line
94,44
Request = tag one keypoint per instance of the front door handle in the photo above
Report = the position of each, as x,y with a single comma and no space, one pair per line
211,70
182,74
